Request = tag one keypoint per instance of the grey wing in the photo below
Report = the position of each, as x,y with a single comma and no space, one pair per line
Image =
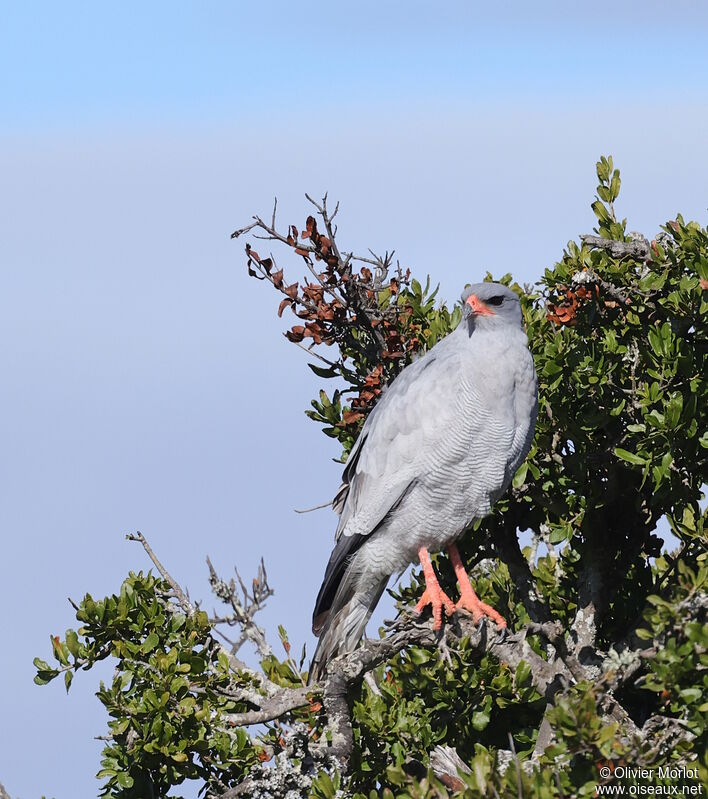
384,463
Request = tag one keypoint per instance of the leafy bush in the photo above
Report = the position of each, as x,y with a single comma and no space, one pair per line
607,664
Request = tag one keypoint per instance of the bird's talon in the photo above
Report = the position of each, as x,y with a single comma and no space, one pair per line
439,600
480,610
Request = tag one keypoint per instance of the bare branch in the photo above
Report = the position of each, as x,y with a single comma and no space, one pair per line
246,606
446,765
316,507
179,593
638,249
272,708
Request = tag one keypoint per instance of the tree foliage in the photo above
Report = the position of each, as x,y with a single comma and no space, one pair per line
607,661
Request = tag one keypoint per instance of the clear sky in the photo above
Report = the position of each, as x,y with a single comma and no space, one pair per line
146,382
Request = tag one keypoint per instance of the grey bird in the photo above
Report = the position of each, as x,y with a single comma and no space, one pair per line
437,451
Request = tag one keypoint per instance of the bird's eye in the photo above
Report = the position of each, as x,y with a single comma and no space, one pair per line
498,300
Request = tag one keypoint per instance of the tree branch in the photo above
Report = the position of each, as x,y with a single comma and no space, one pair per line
244,607
181,596
506,543
348,670
272,708
639,249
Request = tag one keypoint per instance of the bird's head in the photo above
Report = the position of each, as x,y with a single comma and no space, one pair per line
490,304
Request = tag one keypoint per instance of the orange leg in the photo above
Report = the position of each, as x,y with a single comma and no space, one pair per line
468,599
433,594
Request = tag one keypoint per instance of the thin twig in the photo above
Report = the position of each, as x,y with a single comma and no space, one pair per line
177,590
316,507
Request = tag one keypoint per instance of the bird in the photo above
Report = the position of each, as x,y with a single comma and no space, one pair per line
438,449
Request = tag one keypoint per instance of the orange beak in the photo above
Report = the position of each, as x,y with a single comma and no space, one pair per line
478,307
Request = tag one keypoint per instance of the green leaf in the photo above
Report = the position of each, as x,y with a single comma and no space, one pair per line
480,720
630,457
124,779
520,476
691,695
326,372
72,642
615,186
150,643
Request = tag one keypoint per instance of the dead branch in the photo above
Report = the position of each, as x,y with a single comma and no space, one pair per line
273,707
244,607
638,249
446,765
180,595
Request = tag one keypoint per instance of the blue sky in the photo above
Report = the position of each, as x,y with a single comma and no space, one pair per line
77,64
147,384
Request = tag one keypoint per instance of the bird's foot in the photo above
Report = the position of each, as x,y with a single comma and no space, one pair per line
435,596
479,610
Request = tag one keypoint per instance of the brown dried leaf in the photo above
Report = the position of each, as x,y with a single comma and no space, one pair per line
310,228
297,333
283,305
314,331
350,417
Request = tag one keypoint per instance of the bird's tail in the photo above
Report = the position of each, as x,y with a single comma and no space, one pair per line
345,623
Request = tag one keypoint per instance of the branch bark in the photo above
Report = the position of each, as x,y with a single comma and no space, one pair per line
639,249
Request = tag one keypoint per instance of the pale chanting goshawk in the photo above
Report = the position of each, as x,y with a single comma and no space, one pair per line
437,451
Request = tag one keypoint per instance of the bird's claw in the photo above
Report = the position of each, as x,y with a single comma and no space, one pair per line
439,600
479,610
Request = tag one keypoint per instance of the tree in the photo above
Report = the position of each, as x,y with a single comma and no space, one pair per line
606,663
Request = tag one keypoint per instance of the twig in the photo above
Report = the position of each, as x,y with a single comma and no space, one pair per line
177,590
245,607
316,507
519,785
